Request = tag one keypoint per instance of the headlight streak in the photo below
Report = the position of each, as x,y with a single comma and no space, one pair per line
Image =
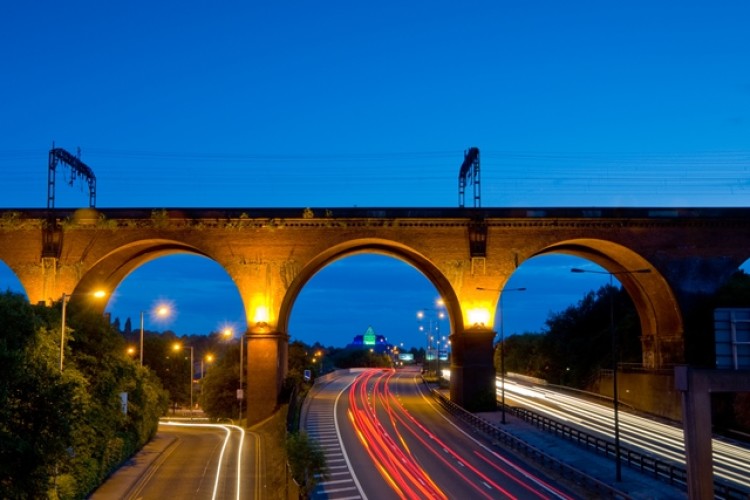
343,448
555,492
402,472
487,481
228,430
394,459
662,440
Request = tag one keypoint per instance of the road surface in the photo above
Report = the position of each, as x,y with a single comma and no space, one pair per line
390,440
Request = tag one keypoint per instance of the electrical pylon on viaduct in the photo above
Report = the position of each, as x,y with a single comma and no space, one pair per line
467,253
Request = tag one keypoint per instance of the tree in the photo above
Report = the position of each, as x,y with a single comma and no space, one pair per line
66,429
351,358
219,393
306,461
577,342
37,405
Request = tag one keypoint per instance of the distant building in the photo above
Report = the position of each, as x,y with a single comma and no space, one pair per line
371,340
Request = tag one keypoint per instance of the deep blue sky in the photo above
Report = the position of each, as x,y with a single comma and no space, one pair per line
330,104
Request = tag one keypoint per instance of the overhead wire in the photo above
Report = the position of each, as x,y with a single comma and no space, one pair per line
593,174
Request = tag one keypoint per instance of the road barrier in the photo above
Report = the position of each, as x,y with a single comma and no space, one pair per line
671,473
572,474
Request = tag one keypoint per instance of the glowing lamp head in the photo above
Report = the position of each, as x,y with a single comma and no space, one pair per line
261,315
479,317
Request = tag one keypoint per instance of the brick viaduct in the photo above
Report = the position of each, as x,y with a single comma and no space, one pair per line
272,253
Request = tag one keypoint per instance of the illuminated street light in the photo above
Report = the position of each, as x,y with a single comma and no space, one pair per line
615,355
161,311
228,333
98,294
179,347
209,358
440,314
502,347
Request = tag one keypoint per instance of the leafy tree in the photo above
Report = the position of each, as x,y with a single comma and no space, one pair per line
523,354
37,406
219,393
351,358
306,461
62,433
577,342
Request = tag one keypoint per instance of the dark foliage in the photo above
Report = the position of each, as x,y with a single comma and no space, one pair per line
61,433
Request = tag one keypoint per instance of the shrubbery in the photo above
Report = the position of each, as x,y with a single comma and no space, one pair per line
62,433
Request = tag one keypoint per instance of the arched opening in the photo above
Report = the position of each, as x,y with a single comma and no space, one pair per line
9,281
201,296
545,304
589,307
350,294
372,252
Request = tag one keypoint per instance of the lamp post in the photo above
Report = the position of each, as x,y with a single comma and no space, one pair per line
229,333
502,347
179,347
438,357
162,311
65,299
613,337
209,359
440,315
240,391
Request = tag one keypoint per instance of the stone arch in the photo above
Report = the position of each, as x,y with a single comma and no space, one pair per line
373,246
658,309
6,272
111,269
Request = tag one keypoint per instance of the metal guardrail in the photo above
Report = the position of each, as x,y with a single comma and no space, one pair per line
570,473
671,473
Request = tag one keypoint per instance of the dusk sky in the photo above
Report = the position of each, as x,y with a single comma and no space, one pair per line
340,104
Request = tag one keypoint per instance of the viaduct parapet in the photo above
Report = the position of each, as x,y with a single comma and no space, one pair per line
272,253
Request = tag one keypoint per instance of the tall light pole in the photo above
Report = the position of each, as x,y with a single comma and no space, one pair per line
209,359
613,336
141,348
229,333
161,311
240,391
65,299
179,347
502,347
439,315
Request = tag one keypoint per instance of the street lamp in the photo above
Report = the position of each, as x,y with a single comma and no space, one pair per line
65,298
209,359
229,333
502,347
179,347
613,336
161,311
440,315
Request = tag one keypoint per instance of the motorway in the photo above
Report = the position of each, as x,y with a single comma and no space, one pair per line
731,461
387,439
201,461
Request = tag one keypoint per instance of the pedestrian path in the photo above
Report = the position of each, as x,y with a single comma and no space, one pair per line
633,484
127,477
318,420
